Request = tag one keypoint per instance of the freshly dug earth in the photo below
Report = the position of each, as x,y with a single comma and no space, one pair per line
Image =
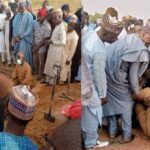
39,126
140,142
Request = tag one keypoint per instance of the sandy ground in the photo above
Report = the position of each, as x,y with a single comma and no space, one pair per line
141,142
39,126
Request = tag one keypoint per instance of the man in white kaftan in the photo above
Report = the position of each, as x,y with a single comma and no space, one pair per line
56,48
70,48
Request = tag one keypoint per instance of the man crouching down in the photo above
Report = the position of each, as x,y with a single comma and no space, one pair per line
127,60
94,84
22,73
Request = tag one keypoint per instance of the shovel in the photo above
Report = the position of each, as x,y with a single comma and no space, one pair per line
66,95
49,116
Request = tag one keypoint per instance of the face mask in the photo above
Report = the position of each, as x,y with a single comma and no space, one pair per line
19,62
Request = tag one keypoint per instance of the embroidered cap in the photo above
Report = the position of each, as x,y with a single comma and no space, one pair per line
111,24
22,102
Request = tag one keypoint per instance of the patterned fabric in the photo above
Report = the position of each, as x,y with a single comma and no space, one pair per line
12,142
41,31
109,25
22,102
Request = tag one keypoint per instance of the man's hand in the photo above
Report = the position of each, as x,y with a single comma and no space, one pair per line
17,39
142,82
47,43
35,48
51,42
138,97
67,62
104,101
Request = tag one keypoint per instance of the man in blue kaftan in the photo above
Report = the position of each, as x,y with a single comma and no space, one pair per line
23,32
93,82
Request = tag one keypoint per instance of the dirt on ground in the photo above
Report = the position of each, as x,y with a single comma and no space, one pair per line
39,126
140,142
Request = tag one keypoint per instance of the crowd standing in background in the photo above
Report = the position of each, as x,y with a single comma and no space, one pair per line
31,45
51,37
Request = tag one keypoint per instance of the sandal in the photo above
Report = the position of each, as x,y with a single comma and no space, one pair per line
124,141
114,136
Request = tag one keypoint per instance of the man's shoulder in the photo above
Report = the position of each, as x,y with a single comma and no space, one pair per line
28,15
133,40
7,140
91,37
46,24
63,25
2,134
26,65
92,44
31,143
89,33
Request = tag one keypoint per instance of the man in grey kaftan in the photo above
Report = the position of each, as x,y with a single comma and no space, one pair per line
127,60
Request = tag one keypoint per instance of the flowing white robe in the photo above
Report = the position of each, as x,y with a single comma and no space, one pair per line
7,46
2,40
55,51
68,53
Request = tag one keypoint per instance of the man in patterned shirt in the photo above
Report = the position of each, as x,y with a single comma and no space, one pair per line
42,32
20,112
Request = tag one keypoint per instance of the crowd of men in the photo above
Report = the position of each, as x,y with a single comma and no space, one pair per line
34,46
48,39
115,66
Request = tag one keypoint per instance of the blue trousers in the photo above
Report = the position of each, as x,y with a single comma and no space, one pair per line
89,124
126,119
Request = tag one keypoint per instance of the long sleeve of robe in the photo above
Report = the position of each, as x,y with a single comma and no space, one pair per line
62,38
93,74
133,76
99,75
74,42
